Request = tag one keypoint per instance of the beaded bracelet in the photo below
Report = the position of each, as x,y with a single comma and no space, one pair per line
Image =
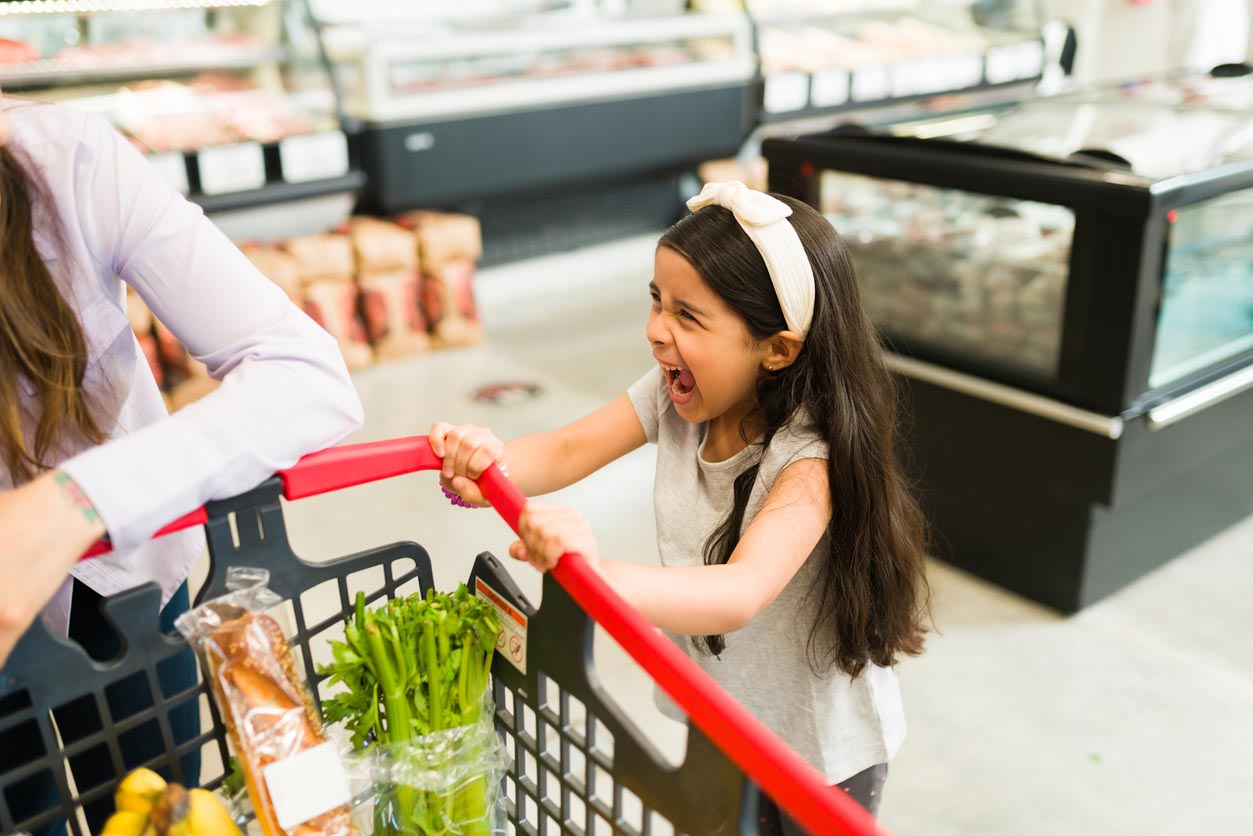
456,499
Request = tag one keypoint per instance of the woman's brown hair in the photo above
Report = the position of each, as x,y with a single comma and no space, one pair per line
873,599
40,339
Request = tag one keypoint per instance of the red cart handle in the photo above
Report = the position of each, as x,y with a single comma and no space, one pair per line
788,779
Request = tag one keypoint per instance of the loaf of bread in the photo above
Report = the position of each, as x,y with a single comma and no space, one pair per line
393,317
381,245
333,305
172,355
323,257
194,387
448,299
268,713
142,322
444,237
280,267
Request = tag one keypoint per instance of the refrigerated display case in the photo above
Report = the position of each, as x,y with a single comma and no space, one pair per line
506,113
231,99
1066,285
822,58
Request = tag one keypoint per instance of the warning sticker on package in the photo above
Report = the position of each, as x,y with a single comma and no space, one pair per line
511,640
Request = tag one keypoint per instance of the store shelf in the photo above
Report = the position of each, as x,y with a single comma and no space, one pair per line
63,72
247,174
13,8
273,193
799,95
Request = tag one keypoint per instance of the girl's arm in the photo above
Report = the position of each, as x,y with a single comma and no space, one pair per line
538,463
702,600
285,389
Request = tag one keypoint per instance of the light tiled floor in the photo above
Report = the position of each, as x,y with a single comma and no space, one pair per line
1133,717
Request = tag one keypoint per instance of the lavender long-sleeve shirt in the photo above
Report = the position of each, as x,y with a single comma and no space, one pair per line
105,218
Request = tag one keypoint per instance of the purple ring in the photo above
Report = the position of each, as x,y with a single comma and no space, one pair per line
456,499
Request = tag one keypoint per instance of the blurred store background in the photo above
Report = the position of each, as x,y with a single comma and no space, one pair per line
1050,205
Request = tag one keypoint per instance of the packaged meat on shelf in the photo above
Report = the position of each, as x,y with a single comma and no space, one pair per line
823,57
967,272
383,288
232,100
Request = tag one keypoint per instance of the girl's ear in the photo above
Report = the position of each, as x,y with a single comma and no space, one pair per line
781,351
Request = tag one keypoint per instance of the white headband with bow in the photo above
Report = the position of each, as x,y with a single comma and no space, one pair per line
764,219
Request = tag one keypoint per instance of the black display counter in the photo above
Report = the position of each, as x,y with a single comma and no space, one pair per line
1065,286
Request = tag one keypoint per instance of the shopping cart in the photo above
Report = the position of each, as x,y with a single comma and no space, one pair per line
577,764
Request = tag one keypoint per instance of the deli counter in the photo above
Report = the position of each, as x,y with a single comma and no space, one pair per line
1065,288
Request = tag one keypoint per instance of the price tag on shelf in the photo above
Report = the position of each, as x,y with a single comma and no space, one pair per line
910,77
231,168
1001,64
319,156
871,84
829,88
963,71
173,169
786,92
1030,59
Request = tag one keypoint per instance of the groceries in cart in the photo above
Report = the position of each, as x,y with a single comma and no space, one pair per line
417,702
295,779
410,684
148,806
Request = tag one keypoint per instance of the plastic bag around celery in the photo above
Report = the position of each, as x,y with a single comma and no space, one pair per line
294,776
447,782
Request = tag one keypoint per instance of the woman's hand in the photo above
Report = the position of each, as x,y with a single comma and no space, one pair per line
45,526
467,451
548,532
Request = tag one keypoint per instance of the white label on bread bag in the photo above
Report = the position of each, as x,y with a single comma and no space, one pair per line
871,84
306,785
511,640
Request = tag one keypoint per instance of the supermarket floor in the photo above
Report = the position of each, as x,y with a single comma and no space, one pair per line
1132,717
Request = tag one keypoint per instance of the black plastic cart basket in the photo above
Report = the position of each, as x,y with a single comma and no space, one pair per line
577,764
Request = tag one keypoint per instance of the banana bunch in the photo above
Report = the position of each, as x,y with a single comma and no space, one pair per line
148,806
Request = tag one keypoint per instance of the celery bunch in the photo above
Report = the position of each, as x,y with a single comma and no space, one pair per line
415,667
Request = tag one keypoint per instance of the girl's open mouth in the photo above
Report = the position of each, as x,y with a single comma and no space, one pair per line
682,383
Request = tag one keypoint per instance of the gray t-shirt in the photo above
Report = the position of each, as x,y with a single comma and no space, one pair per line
839,725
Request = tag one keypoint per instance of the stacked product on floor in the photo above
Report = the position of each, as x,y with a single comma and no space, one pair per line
383,289
389,282
329,292
449,247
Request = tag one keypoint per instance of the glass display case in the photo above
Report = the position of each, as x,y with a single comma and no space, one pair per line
422,70
1206,309
540,116
962,272
1067,285
825,57
231,99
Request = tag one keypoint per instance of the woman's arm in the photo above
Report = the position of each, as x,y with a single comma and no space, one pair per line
285,389
703,600
543,462
35,559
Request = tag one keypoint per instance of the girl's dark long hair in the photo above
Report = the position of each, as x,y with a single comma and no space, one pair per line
873,600
40,339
